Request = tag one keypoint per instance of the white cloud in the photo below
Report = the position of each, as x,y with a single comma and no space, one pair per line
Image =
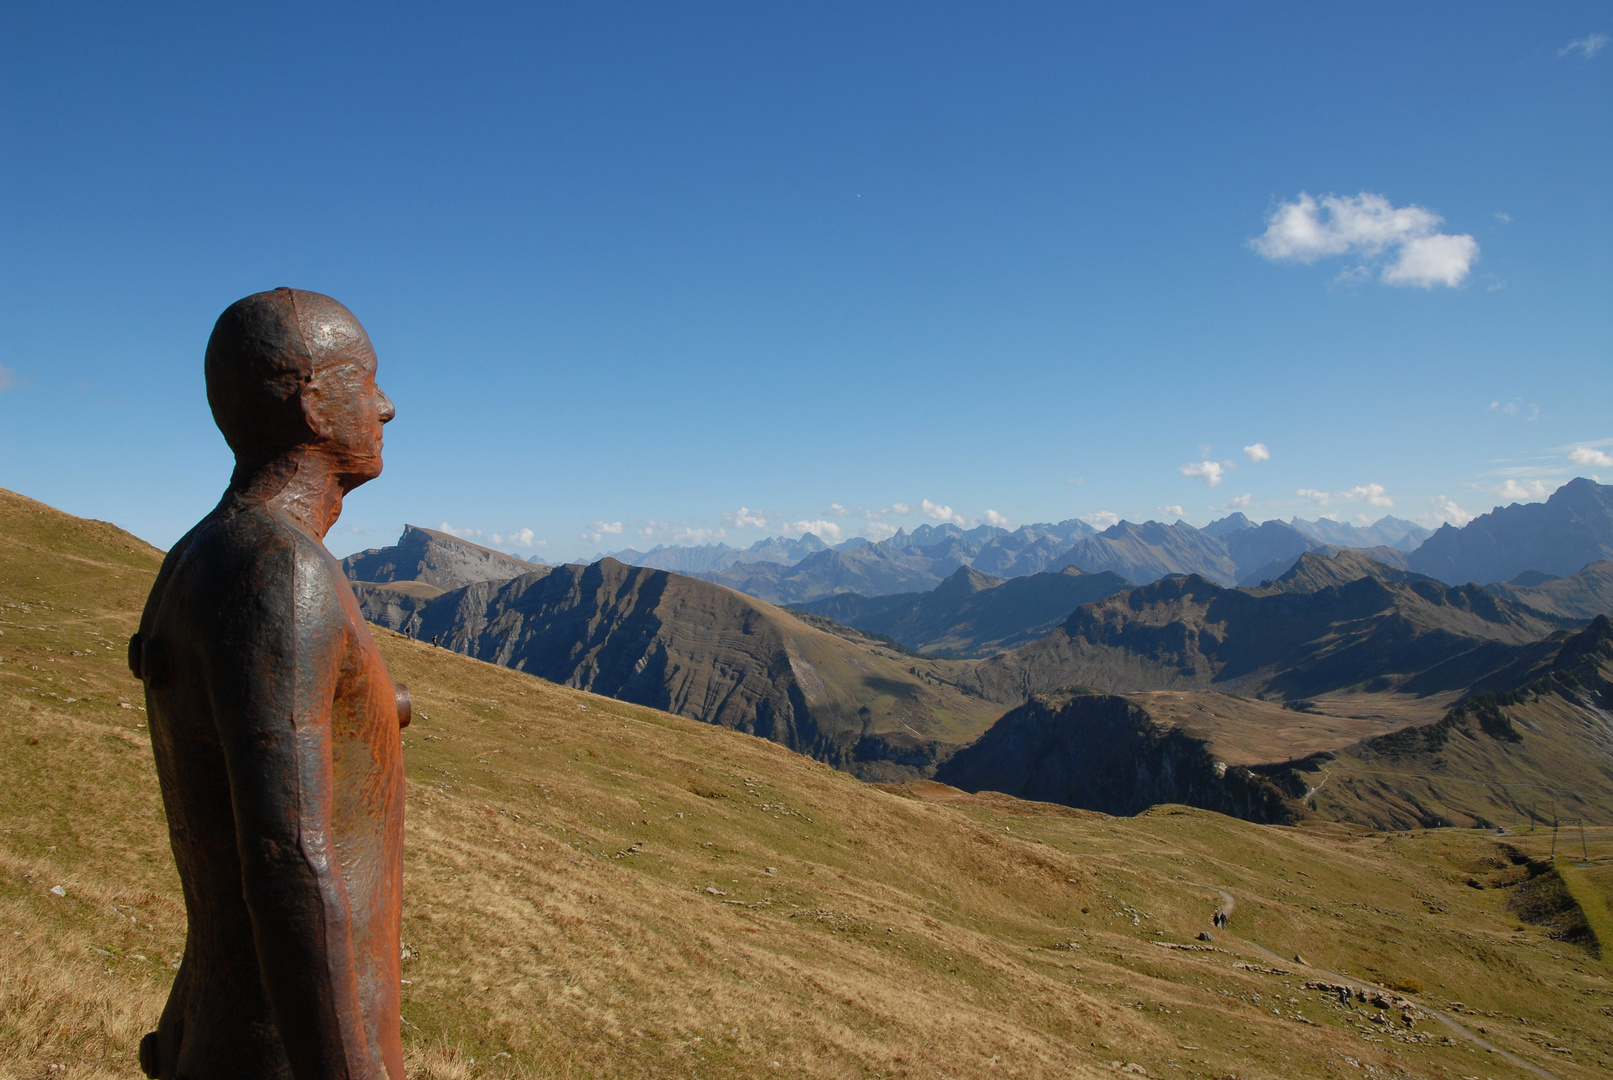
1368,226
1446,510
878,530
991,517
1075,481
744,518
1503,217
824,530
1587,46
1514,407
521,538
601,529
1522,491
1372,494
681,534
1585,455
901,508
1101,519
1211,472
1433,260
1241,502
8,378
1257,452
1320,498
1171,511
940,513
463,534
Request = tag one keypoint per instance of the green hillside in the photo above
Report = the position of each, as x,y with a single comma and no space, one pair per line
596,889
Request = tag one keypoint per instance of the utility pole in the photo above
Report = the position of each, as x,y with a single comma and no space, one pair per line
1554,830
1583,849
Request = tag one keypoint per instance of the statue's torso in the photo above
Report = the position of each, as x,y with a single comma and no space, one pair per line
242,569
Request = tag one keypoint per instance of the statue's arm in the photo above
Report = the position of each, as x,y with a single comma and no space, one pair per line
274,674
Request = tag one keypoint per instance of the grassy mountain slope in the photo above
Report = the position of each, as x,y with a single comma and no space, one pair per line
970,613
588,893
694,648
1315,571
1536,746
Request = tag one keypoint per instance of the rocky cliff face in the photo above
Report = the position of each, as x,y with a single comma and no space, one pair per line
434,558
1560,536
1102,752
677,643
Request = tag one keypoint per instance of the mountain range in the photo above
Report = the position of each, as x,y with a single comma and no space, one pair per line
1559,537
970,613
688,646
1296,638
856,696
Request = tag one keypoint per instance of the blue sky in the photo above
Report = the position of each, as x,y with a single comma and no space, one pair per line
681,269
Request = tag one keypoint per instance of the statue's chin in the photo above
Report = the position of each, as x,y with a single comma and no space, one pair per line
361,472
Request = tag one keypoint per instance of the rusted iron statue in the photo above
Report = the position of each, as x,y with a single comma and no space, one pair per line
275,724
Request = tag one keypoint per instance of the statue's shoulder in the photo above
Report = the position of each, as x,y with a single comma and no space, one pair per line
248,545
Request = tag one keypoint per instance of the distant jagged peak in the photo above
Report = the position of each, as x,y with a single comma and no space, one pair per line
1149,531
436,558
1572,528
1387,531
1236,521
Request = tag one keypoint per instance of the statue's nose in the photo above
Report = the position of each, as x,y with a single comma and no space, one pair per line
387,410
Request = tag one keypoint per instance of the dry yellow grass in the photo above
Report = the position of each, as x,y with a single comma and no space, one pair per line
597,889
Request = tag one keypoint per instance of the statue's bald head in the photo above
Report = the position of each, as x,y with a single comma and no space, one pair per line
265,351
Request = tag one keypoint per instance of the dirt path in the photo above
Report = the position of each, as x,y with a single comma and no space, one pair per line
1229,904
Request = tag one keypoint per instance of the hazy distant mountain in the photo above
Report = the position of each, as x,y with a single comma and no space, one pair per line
871,569
1255,550
1222,527
970,613
682,560
1574,598
711,558
1386,531
929,535
779,549
1150,551
434,558
1030,549
1560,536
907,561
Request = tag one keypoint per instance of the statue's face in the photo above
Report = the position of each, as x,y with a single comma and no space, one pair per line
346,409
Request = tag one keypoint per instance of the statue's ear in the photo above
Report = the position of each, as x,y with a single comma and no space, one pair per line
314,399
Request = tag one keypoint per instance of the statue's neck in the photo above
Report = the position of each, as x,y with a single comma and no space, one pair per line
300,484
